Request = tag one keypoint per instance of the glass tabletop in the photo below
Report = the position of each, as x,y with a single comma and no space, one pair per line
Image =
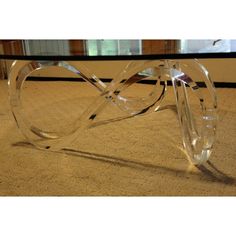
116,49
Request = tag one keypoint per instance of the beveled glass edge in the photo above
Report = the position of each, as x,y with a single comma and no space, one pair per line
211,55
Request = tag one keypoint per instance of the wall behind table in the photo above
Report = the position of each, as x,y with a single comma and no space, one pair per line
221,70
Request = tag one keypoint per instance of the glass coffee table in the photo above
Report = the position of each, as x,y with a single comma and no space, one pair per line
194,90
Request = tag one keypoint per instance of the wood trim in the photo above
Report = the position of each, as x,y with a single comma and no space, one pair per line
77,47
159,46
11,47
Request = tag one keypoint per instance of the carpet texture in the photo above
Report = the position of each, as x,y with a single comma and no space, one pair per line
140,156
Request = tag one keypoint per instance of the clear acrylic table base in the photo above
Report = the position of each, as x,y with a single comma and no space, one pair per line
198,125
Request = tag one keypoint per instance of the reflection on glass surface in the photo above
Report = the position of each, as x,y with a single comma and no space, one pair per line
48,47
114,47
91,47
101,47
204,46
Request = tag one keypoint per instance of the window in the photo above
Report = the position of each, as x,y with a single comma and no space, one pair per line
220,45
113,47
46,47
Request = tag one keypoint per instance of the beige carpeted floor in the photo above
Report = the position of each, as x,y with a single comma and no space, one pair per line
141,156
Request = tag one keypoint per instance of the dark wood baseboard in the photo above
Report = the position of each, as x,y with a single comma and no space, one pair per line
107,80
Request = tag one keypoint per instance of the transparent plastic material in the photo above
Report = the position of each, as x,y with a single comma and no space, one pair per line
107,95
198,123
196,108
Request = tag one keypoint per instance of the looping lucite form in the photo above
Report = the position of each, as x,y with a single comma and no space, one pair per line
197,108
197,121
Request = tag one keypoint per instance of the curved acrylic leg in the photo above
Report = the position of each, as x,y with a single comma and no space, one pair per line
196,108
108,94
134,73
19,72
